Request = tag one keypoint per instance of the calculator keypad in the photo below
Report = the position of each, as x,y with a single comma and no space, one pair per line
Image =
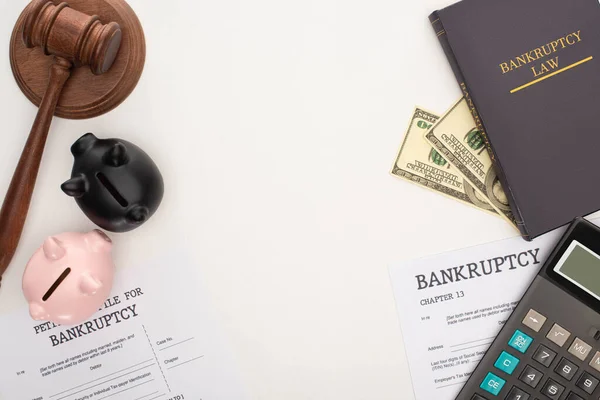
542,376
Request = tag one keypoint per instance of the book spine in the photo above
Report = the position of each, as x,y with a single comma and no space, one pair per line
442,35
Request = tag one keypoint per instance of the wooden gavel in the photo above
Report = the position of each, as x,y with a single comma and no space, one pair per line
74,39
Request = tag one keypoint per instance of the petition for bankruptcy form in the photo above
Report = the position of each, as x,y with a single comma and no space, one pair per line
452,305
155,338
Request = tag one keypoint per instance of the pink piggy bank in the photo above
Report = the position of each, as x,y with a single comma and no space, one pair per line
69,278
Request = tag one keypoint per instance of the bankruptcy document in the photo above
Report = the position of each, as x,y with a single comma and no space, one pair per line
451,306
154,338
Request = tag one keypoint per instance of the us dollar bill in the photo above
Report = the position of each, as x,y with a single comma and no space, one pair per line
419,163
456,137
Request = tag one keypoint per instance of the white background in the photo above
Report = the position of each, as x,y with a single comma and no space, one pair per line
275,124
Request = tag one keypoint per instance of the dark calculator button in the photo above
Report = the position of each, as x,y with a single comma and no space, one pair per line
531,376
573,396
552,389
566,369
587,383
544,356
517,394
478,397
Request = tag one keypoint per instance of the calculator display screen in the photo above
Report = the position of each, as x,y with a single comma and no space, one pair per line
581,266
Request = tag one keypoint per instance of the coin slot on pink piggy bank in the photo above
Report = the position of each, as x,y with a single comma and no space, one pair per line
69,278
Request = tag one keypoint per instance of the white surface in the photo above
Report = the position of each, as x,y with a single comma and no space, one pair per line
275,124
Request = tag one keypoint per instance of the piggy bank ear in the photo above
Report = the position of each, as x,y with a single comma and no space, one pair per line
98,241
37,312
76,186
116,156
83,144
89,285
53,249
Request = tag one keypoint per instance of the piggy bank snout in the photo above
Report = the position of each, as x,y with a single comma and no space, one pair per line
99,241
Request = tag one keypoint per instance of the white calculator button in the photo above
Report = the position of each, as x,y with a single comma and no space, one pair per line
558,335
580,349
595,363
534,320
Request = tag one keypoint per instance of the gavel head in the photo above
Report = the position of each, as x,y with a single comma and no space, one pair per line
77,37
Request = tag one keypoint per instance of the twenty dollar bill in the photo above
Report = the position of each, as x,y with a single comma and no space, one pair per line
419,163
456,137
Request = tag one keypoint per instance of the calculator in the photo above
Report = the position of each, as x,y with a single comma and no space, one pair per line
549,348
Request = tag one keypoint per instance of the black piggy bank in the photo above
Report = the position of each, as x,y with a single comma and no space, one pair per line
114,182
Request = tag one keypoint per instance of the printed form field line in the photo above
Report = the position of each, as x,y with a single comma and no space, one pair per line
149,394
103,377
472,341
451,384
185,362
125,390
102,383
471,347
176,344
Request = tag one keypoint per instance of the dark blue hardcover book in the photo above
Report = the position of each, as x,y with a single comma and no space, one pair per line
530,70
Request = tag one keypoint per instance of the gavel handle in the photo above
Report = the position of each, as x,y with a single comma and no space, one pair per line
17,200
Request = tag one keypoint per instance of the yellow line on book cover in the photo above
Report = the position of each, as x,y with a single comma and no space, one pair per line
552,74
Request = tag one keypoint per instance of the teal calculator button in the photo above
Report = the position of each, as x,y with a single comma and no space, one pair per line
492,384
506,363
520,341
